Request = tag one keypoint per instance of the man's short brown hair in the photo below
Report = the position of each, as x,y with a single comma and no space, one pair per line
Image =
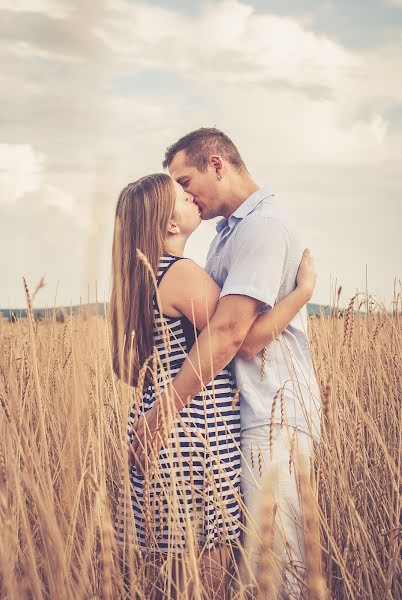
199,145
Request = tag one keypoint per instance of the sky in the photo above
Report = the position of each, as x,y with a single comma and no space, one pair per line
92,94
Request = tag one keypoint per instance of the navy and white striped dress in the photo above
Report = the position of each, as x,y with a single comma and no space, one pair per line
192,493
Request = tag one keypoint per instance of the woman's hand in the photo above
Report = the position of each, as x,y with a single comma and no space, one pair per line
306,275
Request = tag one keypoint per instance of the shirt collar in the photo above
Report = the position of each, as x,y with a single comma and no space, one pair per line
245,207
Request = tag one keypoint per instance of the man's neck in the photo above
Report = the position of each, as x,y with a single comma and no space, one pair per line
242,189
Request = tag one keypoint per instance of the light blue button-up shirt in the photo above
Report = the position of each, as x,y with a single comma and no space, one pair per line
257,253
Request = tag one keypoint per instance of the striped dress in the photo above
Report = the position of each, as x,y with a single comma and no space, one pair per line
191,495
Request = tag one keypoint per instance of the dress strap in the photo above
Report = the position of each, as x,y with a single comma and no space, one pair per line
165,266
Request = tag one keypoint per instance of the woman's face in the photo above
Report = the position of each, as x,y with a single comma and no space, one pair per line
186,213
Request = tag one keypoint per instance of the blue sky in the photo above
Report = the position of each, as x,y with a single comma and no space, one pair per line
93,93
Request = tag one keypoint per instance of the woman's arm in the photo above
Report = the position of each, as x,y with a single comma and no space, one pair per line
270,324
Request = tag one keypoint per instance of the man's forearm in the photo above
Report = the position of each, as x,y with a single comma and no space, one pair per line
213,350
270,324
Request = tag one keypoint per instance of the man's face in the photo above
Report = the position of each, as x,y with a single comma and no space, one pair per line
204,187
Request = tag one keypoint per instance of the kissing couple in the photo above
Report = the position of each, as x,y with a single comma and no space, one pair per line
226,397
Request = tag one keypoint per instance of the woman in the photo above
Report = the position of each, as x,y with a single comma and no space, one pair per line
189,496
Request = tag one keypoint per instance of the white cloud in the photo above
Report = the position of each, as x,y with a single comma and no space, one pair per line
56,9
299,87
20,171
397,3
65,201
227,36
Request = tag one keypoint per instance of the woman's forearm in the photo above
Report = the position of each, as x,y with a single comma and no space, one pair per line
270,324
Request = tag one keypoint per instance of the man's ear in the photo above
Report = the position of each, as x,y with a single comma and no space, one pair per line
173,227
217,163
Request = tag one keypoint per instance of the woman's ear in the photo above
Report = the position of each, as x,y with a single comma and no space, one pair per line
173,227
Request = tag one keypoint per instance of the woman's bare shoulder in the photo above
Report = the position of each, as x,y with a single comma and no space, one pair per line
187,287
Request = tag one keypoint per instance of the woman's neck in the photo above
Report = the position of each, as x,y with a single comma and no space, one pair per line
175,246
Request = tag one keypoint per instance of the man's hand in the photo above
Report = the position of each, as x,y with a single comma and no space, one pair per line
149,434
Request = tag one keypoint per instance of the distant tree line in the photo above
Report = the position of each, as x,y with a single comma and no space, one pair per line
62,313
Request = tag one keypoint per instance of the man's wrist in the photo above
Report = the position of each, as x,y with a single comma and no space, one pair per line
170,400
177,400
304,293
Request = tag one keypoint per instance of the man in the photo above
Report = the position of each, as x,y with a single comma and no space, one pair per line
254,258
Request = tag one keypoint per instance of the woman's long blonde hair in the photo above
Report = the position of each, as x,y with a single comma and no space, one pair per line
142,215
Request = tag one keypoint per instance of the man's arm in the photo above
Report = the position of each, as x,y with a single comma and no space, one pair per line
215,347
269,325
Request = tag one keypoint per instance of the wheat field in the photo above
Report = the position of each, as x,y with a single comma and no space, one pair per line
63,459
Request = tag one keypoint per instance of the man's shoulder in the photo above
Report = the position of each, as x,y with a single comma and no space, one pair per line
271,211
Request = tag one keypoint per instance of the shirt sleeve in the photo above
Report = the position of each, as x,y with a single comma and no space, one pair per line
259,260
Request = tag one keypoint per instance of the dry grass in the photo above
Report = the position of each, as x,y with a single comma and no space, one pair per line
62,456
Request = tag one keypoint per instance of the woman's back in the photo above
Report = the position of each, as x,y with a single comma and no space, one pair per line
173,336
